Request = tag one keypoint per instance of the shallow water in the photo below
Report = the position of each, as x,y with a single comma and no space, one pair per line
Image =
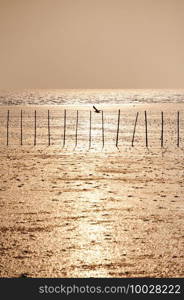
91,214
99,212
82,134
89,97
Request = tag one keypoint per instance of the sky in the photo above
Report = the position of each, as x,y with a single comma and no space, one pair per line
91,44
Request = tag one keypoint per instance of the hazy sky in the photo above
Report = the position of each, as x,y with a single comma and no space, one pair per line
92,43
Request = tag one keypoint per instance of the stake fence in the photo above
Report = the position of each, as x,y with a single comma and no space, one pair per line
138,125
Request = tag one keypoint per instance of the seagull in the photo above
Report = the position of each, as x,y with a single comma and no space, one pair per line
96,110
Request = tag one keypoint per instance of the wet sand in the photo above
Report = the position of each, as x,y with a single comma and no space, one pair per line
93,213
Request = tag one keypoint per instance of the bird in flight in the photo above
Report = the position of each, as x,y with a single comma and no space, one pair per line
96,110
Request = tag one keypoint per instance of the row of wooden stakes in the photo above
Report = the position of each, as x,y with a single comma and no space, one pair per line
90,129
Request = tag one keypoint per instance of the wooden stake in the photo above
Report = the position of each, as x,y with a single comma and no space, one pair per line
7,131
48,128
146,128
178,129
76,129
135,124
64,134
117,135
103,139
90,130
162,129
35,128
21,127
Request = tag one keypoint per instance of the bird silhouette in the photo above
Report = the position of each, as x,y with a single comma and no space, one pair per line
96,110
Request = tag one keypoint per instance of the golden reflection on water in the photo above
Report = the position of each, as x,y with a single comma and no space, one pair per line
92,213
91,232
